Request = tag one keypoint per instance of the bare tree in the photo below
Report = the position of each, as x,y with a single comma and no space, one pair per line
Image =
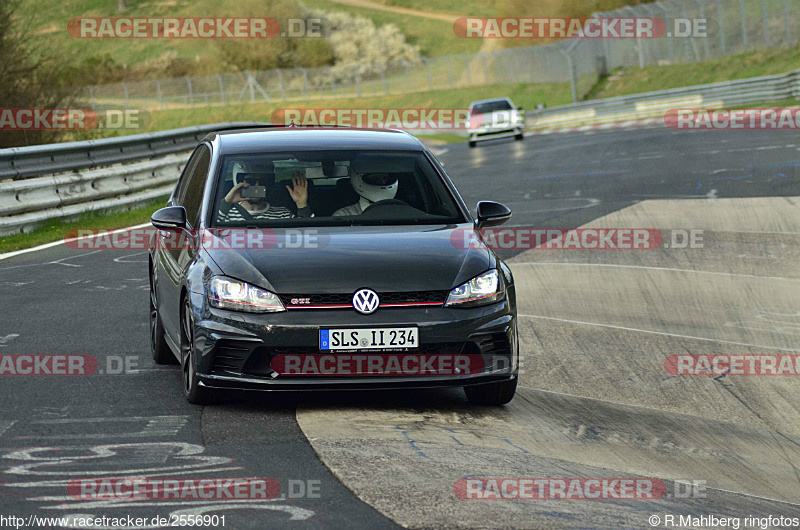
30,76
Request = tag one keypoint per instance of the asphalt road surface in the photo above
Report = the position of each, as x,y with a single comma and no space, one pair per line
595,401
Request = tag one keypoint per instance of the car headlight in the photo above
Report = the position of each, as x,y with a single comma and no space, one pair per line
226,293
486,288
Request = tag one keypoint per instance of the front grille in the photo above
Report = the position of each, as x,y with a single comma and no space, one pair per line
259,363
440,348
237,357
315,301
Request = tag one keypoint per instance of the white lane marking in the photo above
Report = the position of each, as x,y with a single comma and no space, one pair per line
63,260
187,456
747,255
6,425
658,333
155,426
56,262
654,268
8,338
768,147
64,241
62,483
650,157
75,520
124,259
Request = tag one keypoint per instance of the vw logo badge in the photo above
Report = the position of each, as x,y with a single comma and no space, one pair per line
366,301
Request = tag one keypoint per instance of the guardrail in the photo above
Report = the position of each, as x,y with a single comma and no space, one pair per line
22,162
66,180
655,104
26,203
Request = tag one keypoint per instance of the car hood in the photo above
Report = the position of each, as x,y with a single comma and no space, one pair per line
345,259
494,118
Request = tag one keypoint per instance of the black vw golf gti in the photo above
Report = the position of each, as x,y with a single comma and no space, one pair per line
302,258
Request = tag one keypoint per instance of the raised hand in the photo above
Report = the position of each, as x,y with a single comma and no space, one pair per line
299,190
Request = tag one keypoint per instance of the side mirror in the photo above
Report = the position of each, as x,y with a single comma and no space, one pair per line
492,214
520,109
169,218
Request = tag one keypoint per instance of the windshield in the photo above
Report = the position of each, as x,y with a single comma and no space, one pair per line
331,188
491,106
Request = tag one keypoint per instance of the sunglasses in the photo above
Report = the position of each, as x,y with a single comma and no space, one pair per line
253,181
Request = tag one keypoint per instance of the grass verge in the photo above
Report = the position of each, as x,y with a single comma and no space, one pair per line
742,66
526,95
55,229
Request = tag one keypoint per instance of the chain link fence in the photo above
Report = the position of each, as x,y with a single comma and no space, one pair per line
733,26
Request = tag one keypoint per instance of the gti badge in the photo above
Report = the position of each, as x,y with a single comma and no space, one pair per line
366,301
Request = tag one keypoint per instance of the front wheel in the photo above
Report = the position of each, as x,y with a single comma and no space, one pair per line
492,393
471,144
191,385
519,136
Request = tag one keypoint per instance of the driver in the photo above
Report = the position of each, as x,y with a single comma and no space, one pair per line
236,208
371,187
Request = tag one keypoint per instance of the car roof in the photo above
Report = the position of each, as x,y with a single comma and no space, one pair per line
490,100
250,140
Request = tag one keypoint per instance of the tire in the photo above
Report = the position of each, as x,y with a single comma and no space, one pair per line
194,393
471,144
494,394
159,348
520,136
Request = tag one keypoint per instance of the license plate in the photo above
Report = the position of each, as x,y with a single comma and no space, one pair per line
368,339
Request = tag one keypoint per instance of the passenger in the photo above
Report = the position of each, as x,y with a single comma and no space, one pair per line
371,187
236,208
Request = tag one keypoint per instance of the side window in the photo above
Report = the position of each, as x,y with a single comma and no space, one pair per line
180,189
191,196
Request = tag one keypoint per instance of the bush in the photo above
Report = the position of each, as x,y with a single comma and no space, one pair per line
358,43
29,77
278,52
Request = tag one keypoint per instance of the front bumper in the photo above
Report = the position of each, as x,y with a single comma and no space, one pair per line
235,350
491,133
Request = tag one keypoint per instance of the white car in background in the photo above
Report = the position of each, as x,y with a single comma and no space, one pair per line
495,118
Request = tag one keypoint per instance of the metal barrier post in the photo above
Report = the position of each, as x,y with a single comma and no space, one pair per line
221,88
721,17
744,25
